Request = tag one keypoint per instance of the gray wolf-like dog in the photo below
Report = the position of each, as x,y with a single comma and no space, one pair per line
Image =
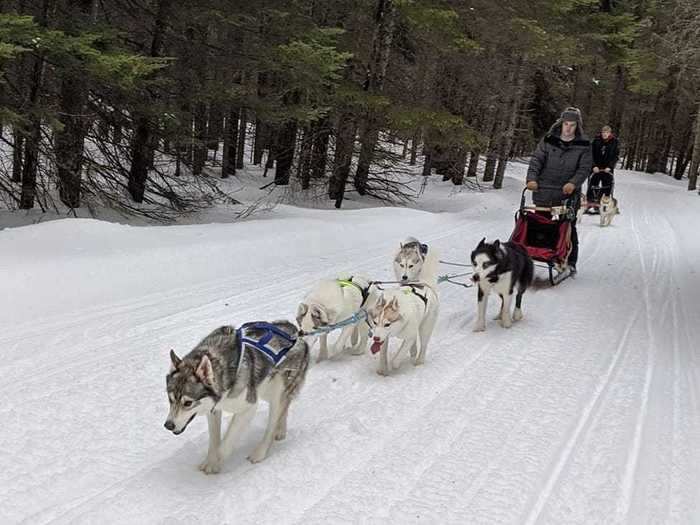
223,375
416,262
608,209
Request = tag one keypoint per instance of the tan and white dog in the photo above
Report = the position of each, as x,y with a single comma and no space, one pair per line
608,209
409,313
334,300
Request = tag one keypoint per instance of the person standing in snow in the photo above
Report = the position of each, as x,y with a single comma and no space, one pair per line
606,151
559,166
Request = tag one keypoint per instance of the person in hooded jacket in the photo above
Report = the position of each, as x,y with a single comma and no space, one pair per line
559,166
606,151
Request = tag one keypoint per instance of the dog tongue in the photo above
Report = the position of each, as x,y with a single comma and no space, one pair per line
376,347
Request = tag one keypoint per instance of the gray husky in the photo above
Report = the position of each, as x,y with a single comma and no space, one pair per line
416,262
501,267
228,371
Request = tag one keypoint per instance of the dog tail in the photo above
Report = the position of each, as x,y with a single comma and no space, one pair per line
296,379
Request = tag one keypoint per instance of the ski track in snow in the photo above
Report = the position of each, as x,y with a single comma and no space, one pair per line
584,412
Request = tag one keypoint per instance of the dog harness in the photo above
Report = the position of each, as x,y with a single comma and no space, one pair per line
412,290
344,283
269,330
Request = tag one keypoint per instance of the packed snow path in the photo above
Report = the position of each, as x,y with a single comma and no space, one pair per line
587,411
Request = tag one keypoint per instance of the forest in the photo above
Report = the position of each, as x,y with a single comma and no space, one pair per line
147,106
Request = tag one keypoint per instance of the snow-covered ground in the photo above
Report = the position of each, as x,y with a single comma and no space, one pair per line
587,411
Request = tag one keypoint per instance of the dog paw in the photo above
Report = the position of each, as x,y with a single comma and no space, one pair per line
280,435
506,323
382,372
418,362
517,315
357,350
480,327
210,466
258,455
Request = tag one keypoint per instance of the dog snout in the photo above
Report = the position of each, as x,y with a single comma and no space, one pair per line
169,425
475,277
377,339
404,277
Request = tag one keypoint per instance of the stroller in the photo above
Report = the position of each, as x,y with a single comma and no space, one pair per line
545,233
594,194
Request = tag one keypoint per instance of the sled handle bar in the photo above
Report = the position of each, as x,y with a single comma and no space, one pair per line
567,201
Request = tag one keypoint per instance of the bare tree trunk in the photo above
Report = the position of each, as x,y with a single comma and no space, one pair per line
143,134
320,150
513,111
228,156
241,140
260,141
344,145
215,128
695,163
473,163
286,143
70,137
458,160
381,46
414,146
17,154
492,151
617,106
32,140
200,138
304,167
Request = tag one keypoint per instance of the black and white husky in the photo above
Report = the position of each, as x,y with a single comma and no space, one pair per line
501,267
229,371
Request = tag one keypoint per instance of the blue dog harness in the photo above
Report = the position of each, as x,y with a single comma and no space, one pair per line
275,356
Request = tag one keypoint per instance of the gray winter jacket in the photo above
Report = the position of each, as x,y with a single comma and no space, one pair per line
554,163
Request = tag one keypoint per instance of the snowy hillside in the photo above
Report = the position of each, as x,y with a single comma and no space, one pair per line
587,411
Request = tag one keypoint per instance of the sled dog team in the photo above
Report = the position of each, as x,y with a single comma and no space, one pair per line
231,369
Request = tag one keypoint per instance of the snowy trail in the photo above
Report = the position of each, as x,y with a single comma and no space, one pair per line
584,412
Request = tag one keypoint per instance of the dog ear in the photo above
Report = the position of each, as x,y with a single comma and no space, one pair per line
302,309
497,244
481,242
318,312
394,304
205,372
174,360
330,314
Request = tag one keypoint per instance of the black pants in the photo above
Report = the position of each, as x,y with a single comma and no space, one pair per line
573,256
602,180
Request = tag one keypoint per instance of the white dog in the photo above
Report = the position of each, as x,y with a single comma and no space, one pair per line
408,313
334,300
608,209
416,262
